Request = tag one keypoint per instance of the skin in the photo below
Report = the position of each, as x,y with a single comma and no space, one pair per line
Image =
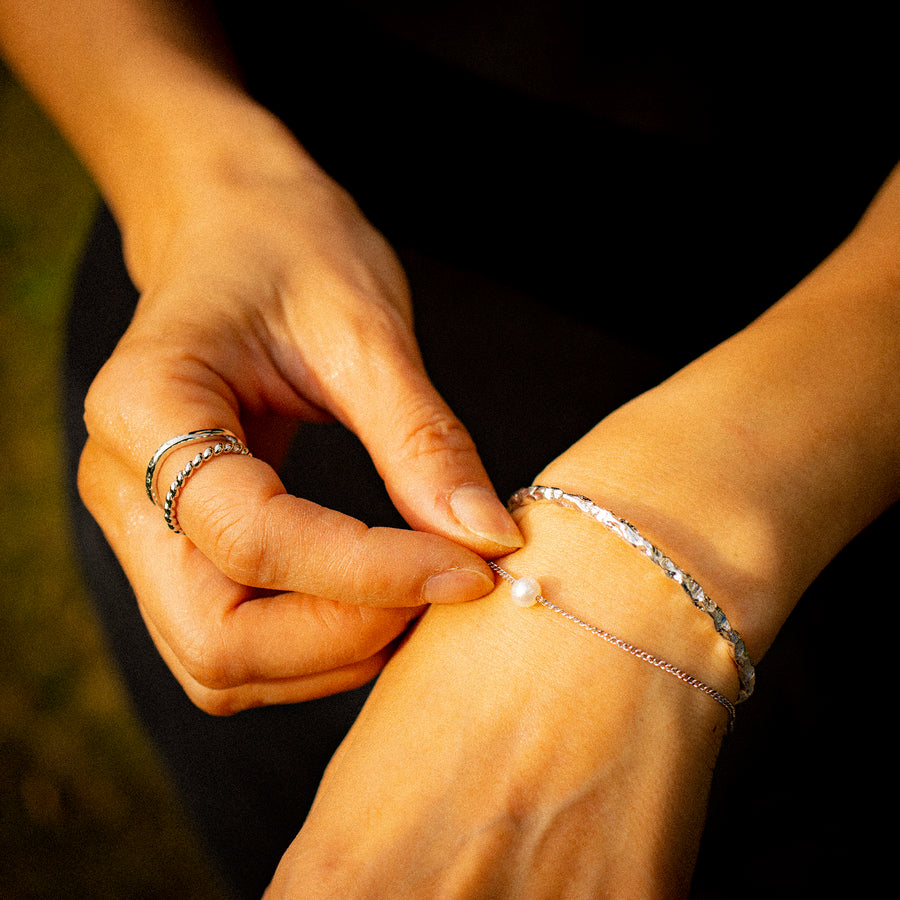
505,753
527,759
605,760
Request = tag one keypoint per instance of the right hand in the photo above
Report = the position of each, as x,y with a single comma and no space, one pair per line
267,300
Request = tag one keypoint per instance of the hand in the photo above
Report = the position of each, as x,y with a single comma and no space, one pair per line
506,753
269,300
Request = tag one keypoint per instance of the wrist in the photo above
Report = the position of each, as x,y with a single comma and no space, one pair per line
689,504
611,590
531,731
232,159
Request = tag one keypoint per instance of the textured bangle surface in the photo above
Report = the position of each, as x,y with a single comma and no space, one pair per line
526,591
628,533
230,445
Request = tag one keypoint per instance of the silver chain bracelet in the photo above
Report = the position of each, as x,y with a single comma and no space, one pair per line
526,591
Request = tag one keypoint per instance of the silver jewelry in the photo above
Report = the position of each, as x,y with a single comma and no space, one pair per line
628,533
156,460
229,445
526,591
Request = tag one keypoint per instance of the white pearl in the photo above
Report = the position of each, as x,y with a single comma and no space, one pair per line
525,591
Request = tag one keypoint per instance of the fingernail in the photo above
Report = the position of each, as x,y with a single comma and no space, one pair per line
479,510
456,586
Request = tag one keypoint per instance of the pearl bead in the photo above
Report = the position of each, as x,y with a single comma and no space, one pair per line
525,591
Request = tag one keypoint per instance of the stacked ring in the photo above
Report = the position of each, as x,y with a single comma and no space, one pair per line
229,443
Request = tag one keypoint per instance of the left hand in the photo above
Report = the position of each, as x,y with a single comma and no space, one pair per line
506,753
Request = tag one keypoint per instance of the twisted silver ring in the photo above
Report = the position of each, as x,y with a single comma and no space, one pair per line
190,438
228,445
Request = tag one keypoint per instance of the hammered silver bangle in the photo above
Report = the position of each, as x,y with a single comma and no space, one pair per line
192,437
229,445
628,533
526,591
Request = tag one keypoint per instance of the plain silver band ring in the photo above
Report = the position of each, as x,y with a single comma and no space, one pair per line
163,451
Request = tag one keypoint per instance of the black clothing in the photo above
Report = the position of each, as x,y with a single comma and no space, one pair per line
565,252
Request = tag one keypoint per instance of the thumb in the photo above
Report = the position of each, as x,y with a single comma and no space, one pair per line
431,467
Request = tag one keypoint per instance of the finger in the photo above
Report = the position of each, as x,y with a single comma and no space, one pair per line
271,692
435,477
211,631
230,636
425,455
244,521
236,511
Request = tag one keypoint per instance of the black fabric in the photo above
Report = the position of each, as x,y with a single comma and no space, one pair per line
560,264
693,231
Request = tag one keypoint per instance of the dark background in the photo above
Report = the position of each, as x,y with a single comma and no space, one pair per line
85,809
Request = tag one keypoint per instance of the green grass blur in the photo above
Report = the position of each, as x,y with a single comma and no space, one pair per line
85,809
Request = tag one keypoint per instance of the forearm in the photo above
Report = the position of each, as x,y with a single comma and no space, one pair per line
753,466
146,93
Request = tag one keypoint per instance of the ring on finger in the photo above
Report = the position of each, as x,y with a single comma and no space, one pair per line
192,437
227,445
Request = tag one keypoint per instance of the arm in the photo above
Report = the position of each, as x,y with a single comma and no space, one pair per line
546,762
758,462
145,91
266,299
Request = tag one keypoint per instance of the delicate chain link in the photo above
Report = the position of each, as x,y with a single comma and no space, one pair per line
628,647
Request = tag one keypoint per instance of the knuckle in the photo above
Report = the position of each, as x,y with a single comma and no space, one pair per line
87,477
373,584
95,402
209,663
436,433
103,403
236,553
213,702
203,666
243,546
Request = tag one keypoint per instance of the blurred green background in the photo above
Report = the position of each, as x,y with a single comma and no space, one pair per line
85,809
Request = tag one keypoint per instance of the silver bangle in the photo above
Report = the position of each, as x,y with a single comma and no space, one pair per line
192,437
628,533
526,591
229,445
